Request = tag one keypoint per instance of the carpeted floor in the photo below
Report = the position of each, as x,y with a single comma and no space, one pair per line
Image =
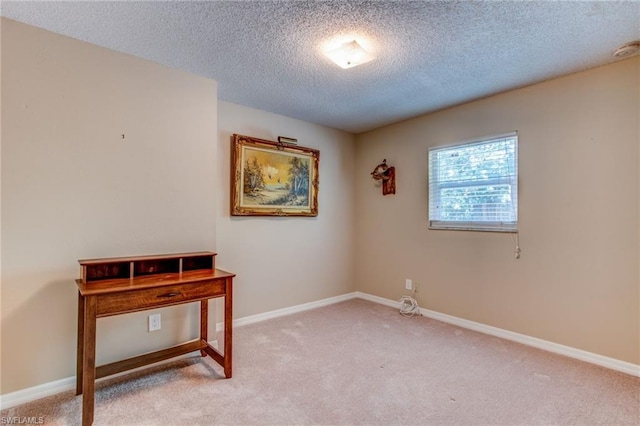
360,363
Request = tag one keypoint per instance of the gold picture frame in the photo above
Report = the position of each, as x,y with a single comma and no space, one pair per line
273,179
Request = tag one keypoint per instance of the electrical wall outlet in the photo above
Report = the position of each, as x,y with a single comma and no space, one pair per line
408,284
154,322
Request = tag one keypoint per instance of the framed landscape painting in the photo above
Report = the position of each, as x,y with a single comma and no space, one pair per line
273,179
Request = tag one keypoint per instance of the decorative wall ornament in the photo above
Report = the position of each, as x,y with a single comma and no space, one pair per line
273,179
387,176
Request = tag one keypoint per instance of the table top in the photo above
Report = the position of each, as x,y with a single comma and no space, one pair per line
149,281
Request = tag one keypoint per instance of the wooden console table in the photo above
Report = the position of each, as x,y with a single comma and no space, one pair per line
122,285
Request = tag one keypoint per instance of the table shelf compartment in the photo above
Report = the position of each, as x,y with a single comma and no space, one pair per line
108,271
195,263
154,267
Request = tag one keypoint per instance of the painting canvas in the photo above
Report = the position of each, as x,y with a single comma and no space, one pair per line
273,179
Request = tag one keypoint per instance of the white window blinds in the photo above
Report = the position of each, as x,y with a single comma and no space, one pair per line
474,186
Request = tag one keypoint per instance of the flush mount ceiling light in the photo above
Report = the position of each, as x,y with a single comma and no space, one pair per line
349,55
628,49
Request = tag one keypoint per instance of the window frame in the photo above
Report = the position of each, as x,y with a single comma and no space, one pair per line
434,189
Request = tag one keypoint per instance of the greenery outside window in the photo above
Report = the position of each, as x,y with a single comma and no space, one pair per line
474,186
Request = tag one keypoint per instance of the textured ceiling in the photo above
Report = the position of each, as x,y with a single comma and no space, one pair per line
430,54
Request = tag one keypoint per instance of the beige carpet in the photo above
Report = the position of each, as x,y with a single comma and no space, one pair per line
360,363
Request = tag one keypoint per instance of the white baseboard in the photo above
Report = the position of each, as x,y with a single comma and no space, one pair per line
23,396
41,391
288,311
603,361
378,299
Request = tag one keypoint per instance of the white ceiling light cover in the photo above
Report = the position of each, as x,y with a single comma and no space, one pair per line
349,55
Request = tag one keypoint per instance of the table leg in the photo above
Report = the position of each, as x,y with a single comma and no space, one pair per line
80,350
89,360
228,326
204,323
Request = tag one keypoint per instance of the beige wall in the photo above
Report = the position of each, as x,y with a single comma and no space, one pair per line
283,262
577,281
73,188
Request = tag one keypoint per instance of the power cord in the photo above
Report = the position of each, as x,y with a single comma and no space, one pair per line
409,306
516,241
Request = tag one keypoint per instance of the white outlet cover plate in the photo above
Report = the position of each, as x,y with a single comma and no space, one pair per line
154,322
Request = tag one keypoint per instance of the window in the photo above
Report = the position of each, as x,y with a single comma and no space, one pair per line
474,186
